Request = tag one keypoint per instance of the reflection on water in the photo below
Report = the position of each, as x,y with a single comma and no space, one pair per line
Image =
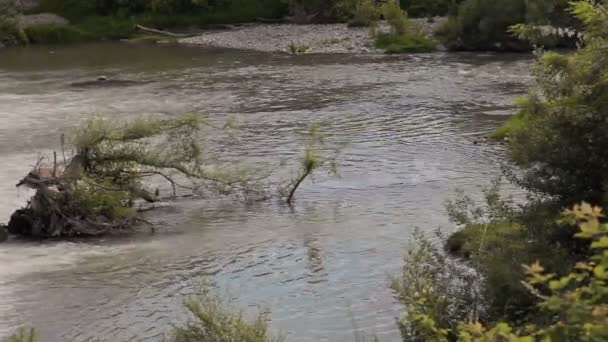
405,126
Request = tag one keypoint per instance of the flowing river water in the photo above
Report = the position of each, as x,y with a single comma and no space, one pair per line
405,127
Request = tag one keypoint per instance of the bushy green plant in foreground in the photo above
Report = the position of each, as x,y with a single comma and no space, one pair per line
560,140
434,288
214,321
496,239
576,304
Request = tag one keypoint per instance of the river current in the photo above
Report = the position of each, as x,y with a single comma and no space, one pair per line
405,127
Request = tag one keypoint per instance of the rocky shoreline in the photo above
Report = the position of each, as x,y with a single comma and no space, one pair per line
330,38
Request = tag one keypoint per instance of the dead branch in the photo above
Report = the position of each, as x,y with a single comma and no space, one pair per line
302,177
164,33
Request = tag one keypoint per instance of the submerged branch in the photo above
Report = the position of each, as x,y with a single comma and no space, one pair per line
296,185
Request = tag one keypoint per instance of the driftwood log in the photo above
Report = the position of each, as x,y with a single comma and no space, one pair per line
161,32
53,211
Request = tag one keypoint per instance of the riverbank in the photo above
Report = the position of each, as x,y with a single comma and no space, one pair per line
329,38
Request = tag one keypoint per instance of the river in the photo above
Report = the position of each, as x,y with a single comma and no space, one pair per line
405,127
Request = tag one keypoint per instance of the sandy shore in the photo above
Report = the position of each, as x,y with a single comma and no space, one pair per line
332,38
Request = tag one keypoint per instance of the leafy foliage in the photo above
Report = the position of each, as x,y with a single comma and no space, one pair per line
25,336
93,193
115,19
561,143
484,24
576,303
214,321
54,34
495,241
10,31
402,37
437,292
364,13
312,160
429,8
396,17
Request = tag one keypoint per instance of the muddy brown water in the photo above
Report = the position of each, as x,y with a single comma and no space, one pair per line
405,126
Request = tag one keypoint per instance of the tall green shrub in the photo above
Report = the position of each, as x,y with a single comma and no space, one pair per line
402,37
576,304
214,321
484,24
429,8
54,34
10,31
364,13
561,144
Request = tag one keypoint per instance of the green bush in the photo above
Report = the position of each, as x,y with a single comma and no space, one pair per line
320,11
435,288
409,42
54,34
429,8
365,13
574,306
10,32
213,321
561,144
164,13
108,27
499,237
402,36
25,336
485,24
396,17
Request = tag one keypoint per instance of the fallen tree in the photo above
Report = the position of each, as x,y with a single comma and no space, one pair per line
93,192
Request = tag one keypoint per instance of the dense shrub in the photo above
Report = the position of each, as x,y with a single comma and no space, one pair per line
395,17
107,27
402,37
434,288
54,34
168,12
500,236
561,142
320,11
575,305
364,13
10,31
484,24
429,8
213,321
558,143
